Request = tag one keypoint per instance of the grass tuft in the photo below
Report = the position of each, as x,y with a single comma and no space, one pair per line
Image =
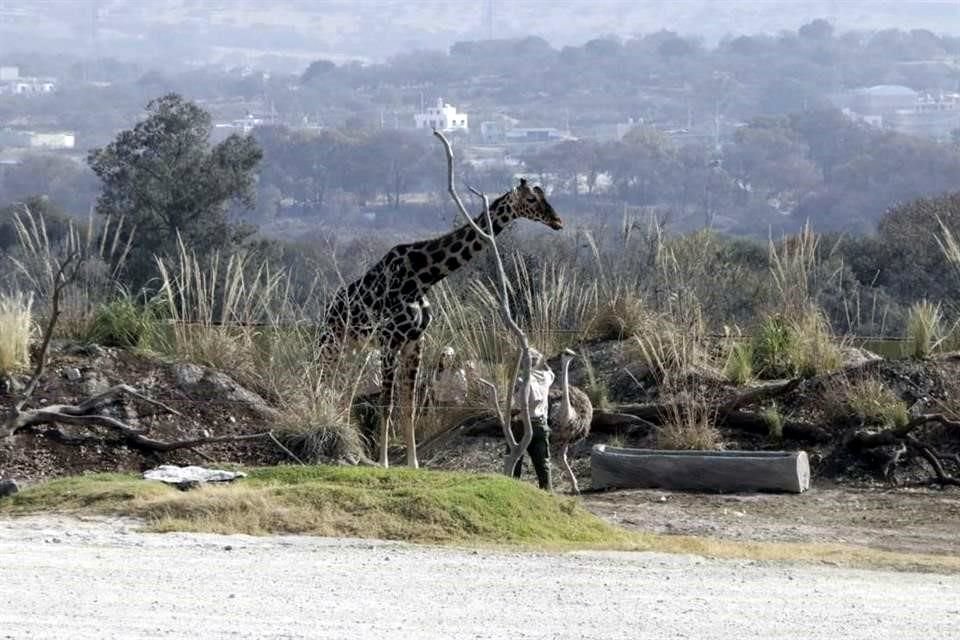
124,323
738,368
868,400
774,419
924,331
621,316
675,358
773,347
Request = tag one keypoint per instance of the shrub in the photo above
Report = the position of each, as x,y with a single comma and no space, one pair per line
803,345
16,329
219,307
596,388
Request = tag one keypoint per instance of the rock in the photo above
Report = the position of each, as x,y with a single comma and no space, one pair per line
84,350
94,383
207,382
230,389
187,375
857,356
8,488
72,374
10,385
189,477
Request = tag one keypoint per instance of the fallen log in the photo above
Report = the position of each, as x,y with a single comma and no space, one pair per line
619,423
715,471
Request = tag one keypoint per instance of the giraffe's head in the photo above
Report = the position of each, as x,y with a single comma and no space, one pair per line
532,203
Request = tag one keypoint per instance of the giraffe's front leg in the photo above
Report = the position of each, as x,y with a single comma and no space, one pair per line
410,357
388,370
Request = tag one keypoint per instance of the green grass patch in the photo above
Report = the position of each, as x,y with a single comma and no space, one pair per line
409,505
394,504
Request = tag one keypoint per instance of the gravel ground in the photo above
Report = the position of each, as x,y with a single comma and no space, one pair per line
62,578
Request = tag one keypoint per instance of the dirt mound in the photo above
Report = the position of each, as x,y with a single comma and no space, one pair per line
210,403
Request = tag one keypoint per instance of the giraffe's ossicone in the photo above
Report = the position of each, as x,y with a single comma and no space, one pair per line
389,301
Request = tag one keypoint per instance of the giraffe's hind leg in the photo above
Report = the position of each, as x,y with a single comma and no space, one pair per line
566,465
388,370
409,366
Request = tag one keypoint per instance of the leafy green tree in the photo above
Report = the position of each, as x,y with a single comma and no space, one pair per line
914,265
165,178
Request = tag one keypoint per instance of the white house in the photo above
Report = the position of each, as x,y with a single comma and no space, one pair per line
20,139
243,126
11,82
443,117
58,140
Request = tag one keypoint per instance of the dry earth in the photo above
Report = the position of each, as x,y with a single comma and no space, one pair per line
103,579
903,520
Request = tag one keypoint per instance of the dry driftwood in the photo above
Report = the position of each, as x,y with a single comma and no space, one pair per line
904,441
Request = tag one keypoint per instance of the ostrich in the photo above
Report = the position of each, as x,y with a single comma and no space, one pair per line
570,415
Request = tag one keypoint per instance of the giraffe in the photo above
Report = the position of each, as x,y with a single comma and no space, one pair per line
389,302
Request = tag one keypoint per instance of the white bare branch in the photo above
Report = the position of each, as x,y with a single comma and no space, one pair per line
516,449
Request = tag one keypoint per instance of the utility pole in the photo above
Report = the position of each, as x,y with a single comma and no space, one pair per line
488,18
716,126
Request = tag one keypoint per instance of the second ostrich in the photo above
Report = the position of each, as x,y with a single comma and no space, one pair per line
570,415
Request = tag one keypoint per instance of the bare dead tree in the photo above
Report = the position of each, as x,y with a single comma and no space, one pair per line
515,450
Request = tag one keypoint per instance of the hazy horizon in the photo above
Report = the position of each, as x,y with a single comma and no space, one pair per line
288,34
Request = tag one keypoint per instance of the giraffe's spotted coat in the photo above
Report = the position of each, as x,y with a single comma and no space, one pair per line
389,301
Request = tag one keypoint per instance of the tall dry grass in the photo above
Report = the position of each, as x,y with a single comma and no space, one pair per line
16,331
218,306
231,314
810,346
676,357
103,249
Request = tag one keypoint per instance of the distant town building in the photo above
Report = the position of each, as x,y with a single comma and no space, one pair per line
443,117
536,134
494,130
614,131
884,98
12,83
931,115
18,138
243,126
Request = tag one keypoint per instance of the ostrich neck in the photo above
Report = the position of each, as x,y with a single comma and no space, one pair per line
567,407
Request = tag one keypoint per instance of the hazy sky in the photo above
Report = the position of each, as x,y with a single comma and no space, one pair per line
375,29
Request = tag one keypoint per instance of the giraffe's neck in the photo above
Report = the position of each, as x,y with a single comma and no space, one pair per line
448,253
